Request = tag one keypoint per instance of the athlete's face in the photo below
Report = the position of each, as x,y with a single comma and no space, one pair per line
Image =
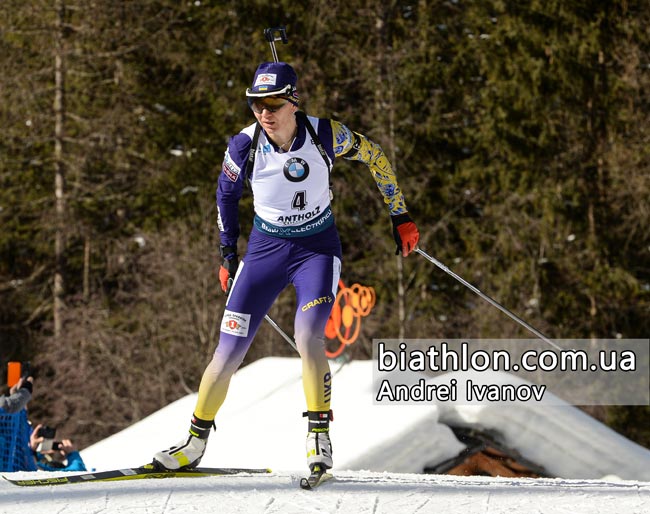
276,115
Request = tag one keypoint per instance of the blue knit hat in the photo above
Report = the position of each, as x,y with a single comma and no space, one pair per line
274,78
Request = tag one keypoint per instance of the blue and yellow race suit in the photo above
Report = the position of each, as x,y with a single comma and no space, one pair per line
293,241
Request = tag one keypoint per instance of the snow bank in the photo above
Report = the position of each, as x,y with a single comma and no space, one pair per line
261,425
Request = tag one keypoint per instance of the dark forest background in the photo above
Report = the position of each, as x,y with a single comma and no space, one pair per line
519,131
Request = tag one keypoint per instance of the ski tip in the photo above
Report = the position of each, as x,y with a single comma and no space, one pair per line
150,470
304,484
317,476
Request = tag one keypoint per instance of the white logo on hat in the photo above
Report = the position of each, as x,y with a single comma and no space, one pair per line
265,79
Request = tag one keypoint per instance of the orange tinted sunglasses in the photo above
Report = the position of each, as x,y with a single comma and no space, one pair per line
270,103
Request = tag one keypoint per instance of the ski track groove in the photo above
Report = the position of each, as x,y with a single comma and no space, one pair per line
166,504
107,499
421,506
96,511
301,507
487,503
638,495
269,502
376,505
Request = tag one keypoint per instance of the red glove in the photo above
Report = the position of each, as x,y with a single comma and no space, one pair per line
229,267
405,233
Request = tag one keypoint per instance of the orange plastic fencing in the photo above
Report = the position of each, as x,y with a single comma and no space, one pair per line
344,324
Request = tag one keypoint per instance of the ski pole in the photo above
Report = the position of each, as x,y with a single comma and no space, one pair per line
487,298
281,332
271,38
345,359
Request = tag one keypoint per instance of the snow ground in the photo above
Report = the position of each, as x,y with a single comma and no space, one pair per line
351,492
377,470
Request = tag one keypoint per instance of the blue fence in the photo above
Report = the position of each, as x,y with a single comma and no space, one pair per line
15,453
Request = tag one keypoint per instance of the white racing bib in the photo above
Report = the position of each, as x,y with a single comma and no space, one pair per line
291,189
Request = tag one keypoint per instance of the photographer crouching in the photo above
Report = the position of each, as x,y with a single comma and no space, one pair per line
51,455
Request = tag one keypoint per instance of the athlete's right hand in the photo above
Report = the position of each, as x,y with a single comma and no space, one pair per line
228,268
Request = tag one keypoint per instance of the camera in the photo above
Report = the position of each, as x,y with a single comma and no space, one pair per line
48,443
46,432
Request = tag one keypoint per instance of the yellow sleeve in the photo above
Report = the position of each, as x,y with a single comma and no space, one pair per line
354,146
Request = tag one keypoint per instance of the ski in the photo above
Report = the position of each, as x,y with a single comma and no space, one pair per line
143,472
317,476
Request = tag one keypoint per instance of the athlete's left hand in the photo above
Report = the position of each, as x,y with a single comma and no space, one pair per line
405,233
229,267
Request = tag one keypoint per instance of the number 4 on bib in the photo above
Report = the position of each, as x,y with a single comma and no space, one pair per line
299,200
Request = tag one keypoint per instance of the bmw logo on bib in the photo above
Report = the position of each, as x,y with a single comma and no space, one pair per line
296,169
